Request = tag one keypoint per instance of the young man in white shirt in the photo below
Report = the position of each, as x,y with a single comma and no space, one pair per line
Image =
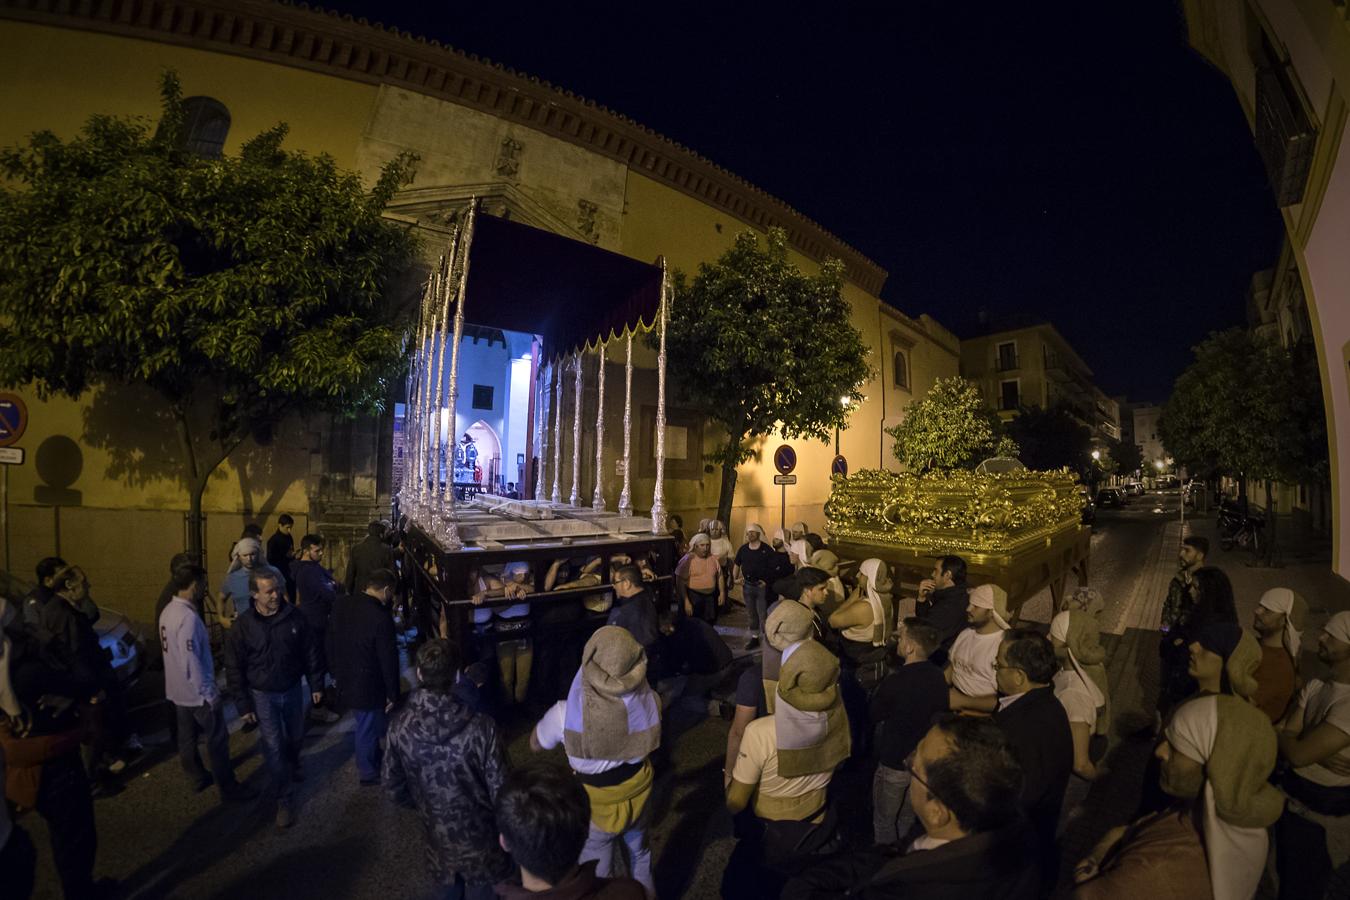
1313,836
190,685
971,662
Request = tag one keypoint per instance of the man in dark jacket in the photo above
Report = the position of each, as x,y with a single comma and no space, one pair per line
281,550
448,763
365,664
975,845
42,591
943,598
371,554
269,650
1037,727
315,591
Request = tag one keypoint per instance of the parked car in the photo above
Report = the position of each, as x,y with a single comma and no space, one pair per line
1133,488
1168,482
116,635
1110,498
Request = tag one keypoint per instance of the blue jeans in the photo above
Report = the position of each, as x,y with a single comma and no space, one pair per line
603,845
755,605
370,726
281,729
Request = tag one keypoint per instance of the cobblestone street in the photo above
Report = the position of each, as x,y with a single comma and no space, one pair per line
351,841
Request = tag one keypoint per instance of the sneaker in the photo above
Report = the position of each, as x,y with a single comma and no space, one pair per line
202,784
116,765
284,817
133,743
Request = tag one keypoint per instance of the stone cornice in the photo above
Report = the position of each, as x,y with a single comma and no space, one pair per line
348,48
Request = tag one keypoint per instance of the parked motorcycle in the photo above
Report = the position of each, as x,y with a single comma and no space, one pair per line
1238,528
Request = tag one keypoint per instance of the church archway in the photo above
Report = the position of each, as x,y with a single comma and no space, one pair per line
489,454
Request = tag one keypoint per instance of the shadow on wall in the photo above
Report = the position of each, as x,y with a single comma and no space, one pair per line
59,461
135,427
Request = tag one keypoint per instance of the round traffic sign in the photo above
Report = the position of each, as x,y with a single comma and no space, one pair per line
13,419
839,466
785,459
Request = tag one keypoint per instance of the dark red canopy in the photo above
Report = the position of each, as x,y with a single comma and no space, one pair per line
526,279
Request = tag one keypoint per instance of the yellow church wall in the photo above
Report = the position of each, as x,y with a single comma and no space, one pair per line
55,78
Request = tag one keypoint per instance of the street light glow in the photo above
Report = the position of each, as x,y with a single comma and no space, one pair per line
845,401
1097,454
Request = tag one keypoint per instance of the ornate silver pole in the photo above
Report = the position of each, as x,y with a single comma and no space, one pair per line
407,496
626,495
556,496
659,493
448,530
438,393
575,498
540,425
424,411
598,498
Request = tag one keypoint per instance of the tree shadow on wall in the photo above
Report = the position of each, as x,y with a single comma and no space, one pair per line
135,427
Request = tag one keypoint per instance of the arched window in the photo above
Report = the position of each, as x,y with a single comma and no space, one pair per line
206,123
901,365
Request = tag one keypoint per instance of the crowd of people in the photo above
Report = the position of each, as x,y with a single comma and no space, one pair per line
979,737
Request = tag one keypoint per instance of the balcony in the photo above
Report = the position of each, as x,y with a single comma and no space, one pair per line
1007,362
1285,136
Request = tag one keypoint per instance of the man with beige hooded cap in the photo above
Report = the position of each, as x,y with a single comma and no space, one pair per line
609,725
782,772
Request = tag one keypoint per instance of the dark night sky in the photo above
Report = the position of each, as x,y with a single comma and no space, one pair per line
1075,161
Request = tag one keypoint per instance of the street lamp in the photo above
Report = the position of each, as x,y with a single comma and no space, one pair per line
1097,455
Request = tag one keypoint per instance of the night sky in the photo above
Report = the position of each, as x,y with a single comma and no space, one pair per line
1068,160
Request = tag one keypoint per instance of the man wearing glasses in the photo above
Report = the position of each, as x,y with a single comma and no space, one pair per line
964,790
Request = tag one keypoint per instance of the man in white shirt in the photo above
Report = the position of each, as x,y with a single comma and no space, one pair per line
190,685
609,724
971,662
1315,740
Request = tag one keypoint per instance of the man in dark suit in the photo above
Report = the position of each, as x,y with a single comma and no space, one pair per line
975,843
365,664
1038,730
372,553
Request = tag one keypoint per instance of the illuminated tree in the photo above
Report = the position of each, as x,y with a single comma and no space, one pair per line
950,428
239,289
757,346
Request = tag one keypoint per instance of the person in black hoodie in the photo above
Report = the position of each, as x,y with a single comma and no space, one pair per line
448,763
315,592
372,553
1038,730
975,844
943,598
269,650
365,664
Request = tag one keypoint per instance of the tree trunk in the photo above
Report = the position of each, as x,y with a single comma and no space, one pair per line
1270,527
196,523
728,493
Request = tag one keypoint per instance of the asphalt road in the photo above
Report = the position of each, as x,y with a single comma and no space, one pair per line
161,840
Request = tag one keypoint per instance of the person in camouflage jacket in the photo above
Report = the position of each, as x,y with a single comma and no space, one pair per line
448,763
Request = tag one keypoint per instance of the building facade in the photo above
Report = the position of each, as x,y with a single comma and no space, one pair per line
531,152
1289,63
1034,365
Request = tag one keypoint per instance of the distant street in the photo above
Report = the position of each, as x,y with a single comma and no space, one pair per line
351,841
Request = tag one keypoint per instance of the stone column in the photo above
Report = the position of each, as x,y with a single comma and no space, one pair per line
575,498
540,428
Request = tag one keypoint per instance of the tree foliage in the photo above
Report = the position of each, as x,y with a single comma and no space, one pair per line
249,286
1248,407
756,345
950,428
1129,457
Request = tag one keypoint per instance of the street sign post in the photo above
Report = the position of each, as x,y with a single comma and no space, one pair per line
839,466
13,419
784,460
